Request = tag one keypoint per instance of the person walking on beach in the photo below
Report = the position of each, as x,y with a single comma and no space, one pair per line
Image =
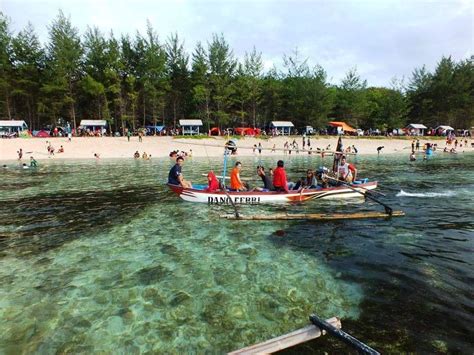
20,154
304,142
140,136
259,148
129,134
413,145
308,142
417,146
175,177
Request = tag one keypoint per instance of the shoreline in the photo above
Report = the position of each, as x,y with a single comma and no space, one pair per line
161,146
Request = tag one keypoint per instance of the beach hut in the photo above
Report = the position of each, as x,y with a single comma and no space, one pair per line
416,129
342,127
444,130
93,125
190,126
8,127
283,127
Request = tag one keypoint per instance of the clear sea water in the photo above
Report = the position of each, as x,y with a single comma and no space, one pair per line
99,256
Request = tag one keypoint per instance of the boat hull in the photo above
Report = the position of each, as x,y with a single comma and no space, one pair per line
260,197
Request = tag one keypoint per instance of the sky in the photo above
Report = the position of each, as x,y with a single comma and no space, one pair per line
382,39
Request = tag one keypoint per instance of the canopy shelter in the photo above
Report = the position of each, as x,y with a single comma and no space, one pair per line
10,126
284,127
190,126
444,130
93,125
342,127
416,129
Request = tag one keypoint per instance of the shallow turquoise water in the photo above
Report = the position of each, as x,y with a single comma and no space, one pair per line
100,256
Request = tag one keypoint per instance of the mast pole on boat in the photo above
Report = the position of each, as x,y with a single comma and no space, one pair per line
224,170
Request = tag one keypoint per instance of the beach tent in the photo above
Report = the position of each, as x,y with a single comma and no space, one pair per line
190,126
215,131
444,130
416,129
41,134
10,126
342,127
154,129
93,125
284,127
247,131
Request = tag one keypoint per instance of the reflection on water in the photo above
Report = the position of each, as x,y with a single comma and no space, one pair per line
99,256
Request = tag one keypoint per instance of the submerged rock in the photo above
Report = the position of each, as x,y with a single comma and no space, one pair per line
180,297
247,250
151,275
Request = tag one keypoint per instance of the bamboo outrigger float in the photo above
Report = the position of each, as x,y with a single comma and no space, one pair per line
314,216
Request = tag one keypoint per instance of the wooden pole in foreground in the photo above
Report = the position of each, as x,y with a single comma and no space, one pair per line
288,340
315,216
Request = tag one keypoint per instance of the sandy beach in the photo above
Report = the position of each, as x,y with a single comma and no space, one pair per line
119,147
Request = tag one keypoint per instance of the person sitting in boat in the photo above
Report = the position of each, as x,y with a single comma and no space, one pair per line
307,182
344,172
175,177
213,182
353,170
267,181
236,183
279,177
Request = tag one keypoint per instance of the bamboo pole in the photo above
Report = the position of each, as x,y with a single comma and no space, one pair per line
315,216
288,340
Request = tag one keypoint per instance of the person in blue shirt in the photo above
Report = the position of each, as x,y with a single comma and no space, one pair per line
175,177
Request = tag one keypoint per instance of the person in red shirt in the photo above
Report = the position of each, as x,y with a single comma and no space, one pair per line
279,177
213,182
353,170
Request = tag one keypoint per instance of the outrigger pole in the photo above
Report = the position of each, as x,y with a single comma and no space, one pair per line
315,152
342,335
315,330
226,152
367,194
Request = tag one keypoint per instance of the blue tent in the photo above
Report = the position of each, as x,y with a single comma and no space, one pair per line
154,129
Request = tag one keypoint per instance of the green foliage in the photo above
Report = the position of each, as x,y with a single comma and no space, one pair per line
136,80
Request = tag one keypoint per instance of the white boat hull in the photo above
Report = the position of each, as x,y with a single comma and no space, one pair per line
259,197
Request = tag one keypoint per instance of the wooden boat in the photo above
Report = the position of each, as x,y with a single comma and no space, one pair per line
198,194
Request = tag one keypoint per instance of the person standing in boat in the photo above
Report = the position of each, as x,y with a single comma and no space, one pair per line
236,183
175,177
279,177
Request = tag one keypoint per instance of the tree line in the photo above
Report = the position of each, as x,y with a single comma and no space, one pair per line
137,81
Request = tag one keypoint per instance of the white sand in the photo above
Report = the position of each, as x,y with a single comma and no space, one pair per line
107,147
